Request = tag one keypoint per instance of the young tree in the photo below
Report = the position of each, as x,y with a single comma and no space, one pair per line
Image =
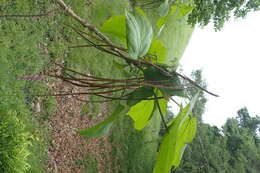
219,11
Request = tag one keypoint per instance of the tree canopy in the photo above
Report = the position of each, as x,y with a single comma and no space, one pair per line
233,148
220,11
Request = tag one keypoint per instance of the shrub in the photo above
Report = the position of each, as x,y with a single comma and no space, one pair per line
14,143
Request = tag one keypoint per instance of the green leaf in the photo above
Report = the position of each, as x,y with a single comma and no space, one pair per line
182,131
188,129
116,27
118,65
163,8
184,10
141,113
159,50
152,74
139,33
186,133
161,22
139,94
102,128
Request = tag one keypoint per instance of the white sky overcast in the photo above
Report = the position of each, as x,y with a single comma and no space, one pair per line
230,60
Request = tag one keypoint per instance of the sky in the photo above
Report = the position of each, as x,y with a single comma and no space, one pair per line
230,60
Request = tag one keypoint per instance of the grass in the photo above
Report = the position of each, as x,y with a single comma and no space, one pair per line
22,46
20,55
135,151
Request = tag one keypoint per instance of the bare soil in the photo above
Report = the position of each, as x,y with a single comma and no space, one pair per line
68,149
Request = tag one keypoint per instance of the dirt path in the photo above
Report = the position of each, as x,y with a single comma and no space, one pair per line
68,149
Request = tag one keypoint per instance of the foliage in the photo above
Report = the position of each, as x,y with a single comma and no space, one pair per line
116,27
14,143
139,33
230,149
53,38
219,12
182,130
160,79
102,128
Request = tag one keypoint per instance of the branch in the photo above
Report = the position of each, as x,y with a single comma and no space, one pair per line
103,37
194,83
80,20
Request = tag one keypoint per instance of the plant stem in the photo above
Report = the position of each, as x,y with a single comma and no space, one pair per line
161,114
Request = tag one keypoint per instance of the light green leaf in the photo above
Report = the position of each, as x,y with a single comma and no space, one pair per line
169,149
116,27
182,131
186,133
163,8
102,128
188,130
159,50
184,10
139,33
161,22
141,113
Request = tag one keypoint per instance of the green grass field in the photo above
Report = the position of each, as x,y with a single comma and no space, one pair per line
23,42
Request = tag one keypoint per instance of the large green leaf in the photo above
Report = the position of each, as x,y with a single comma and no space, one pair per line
102,128
116,27
186,133
159,50
153,74
157,77
139,33
139,94
182,131
168,149
184,10
161,21
178,11
141,113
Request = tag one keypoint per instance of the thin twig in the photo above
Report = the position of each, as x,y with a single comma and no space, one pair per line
195,84
30,15
80,20
106,40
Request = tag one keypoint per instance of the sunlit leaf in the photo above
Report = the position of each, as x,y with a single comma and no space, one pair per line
182,131
116,27
169,147
141,113
102,128
184,10
139,33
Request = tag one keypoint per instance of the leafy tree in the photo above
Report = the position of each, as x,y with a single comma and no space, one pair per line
220,11
245,121
231,149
